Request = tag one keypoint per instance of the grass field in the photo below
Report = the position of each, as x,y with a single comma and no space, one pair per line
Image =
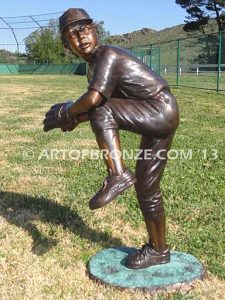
203,81
47,232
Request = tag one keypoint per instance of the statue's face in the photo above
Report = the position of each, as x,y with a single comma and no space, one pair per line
83,39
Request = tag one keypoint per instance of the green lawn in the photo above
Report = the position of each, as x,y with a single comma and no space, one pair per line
204,80
47,231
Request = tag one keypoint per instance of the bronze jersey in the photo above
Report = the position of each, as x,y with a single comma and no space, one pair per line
116,73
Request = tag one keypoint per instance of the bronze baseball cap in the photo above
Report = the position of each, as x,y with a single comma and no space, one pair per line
73,16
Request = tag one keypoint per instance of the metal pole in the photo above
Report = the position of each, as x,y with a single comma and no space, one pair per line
178,62
43,34
219,60
17,44
159,54
151,57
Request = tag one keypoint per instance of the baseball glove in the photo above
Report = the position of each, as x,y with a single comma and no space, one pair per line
58,117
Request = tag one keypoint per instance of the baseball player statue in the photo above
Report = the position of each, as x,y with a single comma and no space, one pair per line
123,94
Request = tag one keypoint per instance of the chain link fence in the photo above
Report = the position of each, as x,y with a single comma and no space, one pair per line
32,45
192,62
37,49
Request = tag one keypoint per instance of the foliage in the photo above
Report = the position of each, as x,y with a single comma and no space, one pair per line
199,14
7,57
44,45
147,36
104,35
201,11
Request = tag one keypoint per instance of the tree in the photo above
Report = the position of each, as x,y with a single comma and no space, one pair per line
44,46
104,35
201,11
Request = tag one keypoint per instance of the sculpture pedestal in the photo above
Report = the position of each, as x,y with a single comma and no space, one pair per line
107,267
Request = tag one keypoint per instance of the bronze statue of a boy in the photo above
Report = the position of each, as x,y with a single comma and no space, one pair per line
123,93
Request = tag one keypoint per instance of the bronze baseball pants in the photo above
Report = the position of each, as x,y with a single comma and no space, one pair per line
156,121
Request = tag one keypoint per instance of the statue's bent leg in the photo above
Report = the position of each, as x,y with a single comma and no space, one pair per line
156,121
107,136
149,170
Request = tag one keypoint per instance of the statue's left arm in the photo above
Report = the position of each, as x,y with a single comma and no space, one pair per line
69,114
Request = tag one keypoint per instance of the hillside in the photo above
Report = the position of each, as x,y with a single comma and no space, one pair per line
7,56
192,50
146,36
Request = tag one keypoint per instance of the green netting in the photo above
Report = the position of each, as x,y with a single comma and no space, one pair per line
8,69
78,69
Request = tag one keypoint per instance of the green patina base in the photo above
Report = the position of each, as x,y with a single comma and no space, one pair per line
108,267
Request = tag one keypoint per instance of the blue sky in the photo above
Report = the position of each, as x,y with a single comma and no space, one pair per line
119,16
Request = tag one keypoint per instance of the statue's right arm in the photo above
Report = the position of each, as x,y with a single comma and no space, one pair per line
85,103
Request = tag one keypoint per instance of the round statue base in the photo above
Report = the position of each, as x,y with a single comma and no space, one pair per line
107,267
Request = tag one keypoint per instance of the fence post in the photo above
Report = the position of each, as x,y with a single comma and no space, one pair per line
159,53
220,36
151,56
178,62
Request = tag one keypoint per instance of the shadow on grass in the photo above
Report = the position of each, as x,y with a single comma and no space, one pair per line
22,210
